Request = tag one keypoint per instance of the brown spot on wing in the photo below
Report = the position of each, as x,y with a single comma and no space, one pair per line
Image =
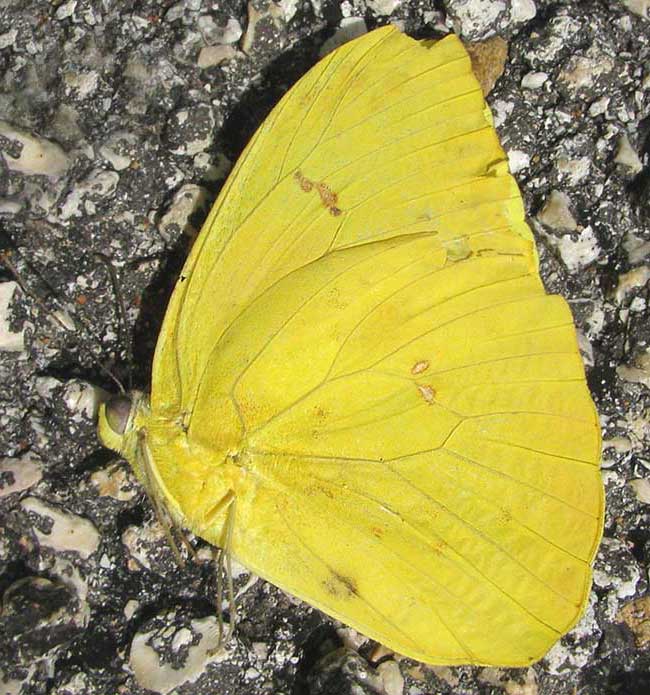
303,181
317,490
328,197
340,586
420,366
427,392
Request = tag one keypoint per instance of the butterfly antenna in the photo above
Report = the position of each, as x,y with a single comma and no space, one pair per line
56,319
122,323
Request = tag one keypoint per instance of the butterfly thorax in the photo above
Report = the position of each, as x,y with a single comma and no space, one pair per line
188,481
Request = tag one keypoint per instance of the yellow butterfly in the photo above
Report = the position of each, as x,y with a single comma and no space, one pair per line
361,388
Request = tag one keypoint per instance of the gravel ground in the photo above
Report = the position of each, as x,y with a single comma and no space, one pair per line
118,124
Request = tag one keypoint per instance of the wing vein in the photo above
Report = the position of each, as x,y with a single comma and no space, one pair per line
496,360
381,250
431,306
401,84
312,552
494,505
539,451
477,532
352,73
423,538
518,481
312,102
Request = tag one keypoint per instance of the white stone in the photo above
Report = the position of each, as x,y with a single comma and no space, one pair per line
599,107
45,386
518,160
203,138
638,372
83,399
142,541
533,80
561,30
24,472
82,83
251,674
641,487
188,199
212,167
571,655
181,638
620,577
586,349
99,183
289,8
391,677
639,7
260,651
501,110
38,156
636,248
130,608
579,253
350,638
8,38
79,684
595,322
556,212
638,305
66,9
175,12
626,155
10,207
110,149
248,41
213,34
522,11
63,319
476,18
582,70
633,279
382,8
68,531
621,445
211,56
575,170
153,674
10,341
115,481
350,28
17,687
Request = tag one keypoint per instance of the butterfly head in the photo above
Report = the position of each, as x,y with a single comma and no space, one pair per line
120,420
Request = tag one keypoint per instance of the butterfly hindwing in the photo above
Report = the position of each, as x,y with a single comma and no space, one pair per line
414,489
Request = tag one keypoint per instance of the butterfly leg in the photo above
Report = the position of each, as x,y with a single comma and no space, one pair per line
224,564
145,463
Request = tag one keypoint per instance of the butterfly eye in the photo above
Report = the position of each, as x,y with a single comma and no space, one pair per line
118,410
